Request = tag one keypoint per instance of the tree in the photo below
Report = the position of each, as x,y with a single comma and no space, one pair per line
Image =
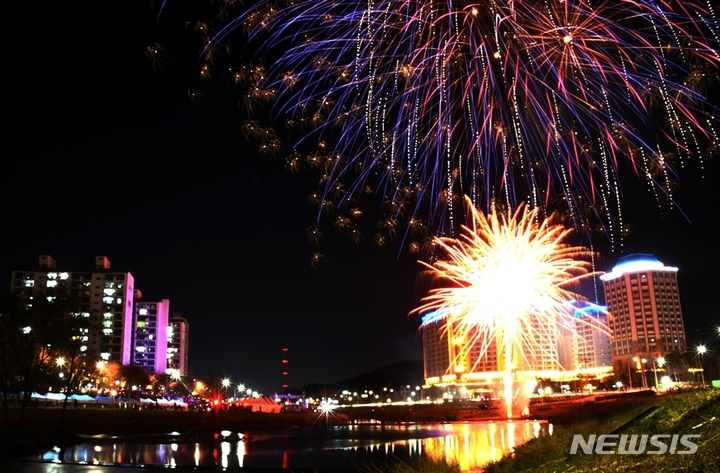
108,376
63,335
12,338
135,376
35,331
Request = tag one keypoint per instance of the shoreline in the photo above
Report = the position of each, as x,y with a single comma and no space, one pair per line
42,425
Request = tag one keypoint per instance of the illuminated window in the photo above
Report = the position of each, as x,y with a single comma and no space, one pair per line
143,312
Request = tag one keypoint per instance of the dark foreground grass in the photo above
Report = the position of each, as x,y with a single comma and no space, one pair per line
694,412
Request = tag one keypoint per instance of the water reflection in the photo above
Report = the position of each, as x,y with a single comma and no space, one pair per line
354,447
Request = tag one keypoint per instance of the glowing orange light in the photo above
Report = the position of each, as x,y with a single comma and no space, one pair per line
508,277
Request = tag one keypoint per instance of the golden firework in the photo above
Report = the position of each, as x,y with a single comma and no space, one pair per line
507,280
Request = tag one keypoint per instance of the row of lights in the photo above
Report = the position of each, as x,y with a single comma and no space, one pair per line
660,362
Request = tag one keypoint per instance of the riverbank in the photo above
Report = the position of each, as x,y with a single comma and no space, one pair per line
695,412
556,410
42,426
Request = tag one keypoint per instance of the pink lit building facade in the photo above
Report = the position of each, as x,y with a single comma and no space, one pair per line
149,335
119,325
178,337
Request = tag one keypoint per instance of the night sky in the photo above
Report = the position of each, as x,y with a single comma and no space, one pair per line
104,156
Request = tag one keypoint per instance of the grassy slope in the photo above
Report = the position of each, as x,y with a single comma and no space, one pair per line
695,412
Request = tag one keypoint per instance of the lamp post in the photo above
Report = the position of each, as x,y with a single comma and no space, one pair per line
225,384
701,351
629,373
654,368
60,362
660,362
644,377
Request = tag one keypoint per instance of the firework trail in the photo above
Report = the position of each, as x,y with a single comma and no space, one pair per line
543,102
506,282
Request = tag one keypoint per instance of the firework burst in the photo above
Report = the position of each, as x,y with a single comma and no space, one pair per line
507,280
544,102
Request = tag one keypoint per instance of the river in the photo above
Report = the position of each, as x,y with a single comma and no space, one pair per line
470,445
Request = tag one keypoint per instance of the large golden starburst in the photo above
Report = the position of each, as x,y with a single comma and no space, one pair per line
508,279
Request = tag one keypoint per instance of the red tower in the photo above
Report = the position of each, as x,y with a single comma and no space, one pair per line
285,385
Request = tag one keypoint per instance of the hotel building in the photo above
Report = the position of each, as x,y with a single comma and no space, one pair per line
591,342
643,299
452,356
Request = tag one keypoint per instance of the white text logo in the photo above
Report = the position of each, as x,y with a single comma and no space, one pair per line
635,444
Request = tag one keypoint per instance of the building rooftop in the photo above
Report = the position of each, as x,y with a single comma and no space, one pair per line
636,263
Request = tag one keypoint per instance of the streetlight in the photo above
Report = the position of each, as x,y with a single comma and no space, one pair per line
701,351
644,377
660,362
630,374
60,362
225,384
175,375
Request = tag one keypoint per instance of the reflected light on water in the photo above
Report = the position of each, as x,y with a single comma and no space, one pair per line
468,445
224,452
240,453
470,448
